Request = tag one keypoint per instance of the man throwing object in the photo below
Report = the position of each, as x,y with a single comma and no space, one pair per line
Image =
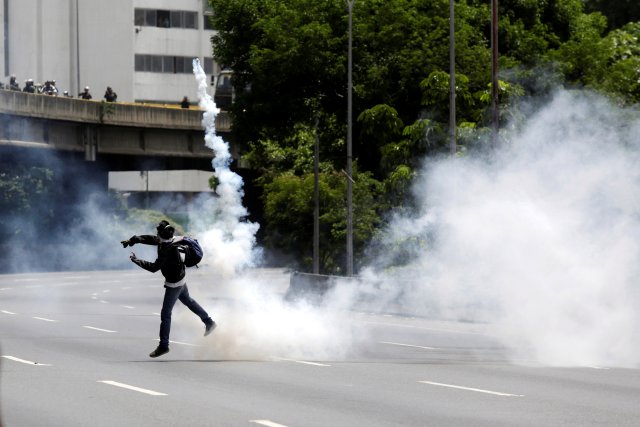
171,264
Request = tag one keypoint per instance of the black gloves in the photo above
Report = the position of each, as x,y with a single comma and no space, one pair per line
126,243
133,257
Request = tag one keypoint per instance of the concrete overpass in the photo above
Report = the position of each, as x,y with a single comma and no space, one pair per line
96,127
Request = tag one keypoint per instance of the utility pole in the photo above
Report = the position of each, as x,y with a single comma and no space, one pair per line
495,116
316,207
452,79
349,144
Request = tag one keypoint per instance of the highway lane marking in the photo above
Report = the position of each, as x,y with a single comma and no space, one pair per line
267,423
99,329
5,289
44,318
76,277
27,362
181,343
33,286
156,314
24,280
134,388
127,306
422,327
408,345
479,390
7,312
104,301
303,362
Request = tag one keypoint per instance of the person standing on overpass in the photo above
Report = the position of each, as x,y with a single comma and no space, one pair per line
171,264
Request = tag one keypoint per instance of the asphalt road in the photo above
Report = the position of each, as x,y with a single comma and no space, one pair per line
75,348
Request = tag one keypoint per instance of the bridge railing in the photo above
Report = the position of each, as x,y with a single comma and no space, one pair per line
115,113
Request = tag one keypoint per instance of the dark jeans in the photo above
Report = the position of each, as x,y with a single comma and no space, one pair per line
171,295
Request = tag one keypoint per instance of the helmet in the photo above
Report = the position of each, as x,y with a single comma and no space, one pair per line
86,88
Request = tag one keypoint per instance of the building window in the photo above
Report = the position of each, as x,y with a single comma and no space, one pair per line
164,64
208,65
165,18
207,25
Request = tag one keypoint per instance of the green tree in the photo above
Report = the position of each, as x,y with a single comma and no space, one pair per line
24,193
290,63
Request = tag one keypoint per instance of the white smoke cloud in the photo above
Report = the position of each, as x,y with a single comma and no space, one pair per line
228,239
542,241
254,322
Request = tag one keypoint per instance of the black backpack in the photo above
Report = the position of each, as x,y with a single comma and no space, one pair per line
192,251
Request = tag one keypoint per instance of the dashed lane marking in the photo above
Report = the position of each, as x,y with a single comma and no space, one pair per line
7,312
267,423
27,362
399,325
134,388
479,390
127,306
181,343
408,345
303,362
44,318
99,329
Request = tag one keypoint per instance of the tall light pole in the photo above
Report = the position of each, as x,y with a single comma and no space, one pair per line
494,73
452,79
349,148
316,202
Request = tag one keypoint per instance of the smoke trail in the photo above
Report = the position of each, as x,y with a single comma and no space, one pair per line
254,322
542,241
229,242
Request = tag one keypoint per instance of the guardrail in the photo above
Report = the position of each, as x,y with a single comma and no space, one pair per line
112,113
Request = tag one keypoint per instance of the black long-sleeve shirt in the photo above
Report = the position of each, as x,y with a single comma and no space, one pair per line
169,261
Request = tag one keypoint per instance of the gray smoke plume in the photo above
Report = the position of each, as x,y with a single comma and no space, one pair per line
229,240
542,241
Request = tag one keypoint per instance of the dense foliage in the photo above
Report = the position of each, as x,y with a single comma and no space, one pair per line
290,63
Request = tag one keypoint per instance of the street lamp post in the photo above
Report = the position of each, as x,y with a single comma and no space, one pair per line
349,148
494,73
452,79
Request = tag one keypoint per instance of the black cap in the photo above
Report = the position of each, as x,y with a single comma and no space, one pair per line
165,230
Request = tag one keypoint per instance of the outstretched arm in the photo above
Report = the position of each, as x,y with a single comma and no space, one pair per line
144,239
149,266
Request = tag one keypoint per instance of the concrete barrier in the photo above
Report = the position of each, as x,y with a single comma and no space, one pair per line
108,113
313,287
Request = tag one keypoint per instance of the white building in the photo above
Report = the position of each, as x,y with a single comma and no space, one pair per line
143,49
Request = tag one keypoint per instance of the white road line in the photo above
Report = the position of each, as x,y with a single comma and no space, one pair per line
497,393
104,291
181,343
408,345
156,314
76,277
5,289
104,302
27,362
127,306
7,312
99,329
304,362
45,319
24,280
422,327
33,286
134,388
109,281
267,423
